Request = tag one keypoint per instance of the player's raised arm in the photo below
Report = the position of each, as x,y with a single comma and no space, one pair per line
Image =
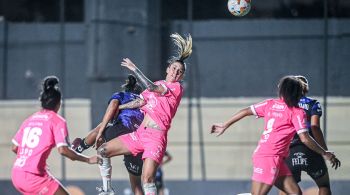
145,82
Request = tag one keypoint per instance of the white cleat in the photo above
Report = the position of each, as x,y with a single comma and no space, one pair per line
102,192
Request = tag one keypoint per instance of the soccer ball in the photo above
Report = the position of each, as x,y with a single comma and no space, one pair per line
239,7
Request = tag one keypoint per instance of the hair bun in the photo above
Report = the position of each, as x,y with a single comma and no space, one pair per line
131,80
50,82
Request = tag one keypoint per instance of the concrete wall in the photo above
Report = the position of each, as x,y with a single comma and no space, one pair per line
238,58
248,57
33,52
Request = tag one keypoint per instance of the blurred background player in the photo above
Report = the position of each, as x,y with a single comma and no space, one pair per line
301,158
282,119
34,141
117,122
159,102
159,175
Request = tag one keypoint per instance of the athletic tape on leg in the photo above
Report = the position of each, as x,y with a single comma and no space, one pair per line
150,189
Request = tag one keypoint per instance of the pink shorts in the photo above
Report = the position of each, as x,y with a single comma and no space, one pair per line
152,142
268,168
30,183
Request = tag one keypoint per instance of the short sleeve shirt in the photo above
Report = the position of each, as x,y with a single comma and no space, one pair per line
35,139
280,125
162,107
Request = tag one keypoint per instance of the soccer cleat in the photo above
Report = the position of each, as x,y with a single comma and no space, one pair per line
76,145
108,192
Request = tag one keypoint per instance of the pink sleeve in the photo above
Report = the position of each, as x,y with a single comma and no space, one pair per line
259,108
174,89
299,120
60,133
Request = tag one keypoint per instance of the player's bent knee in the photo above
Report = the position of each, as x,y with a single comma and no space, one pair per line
102,151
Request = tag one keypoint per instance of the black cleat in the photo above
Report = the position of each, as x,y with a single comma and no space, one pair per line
76,145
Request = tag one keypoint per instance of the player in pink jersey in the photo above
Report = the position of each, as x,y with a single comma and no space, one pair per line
159,101
34,141
282,119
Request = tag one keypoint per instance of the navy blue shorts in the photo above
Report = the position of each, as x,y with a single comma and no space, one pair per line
301,158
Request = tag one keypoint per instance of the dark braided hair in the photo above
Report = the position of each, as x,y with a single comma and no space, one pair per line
290,90
131,85
50,95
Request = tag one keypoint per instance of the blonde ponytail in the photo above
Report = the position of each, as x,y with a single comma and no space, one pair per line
184,48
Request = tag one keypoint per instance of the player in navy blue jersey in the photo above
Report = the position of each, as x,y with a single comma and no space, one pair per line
115,123
301,158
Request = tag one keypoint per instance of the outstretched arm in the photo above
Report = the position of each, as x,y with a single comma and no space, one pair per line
69,153
316,131
111,111
313,145
137,103
220,128
146,83
167,158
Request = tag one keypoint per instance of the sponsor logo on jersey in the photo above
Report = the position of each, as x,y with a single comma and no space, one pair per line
278,107
304,106
300,159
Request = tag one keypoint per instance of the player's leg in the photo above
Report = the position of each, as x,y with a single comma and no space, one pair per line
134,166
79,145
259,188
285,180
318,171
159,181
61,191
287,185
148,176
295,167
324,185
135,183
114,147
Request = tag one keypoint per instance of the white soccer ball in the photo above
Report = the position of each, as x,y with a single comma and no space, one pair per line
239,7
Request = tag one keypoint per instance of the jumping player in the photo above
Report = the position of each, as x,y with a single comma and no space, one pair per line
117,122
301,158
34,141
159,102
282,119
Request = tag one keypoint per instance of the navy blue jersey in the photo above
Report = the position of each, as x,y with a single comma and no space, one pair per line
311,107
130,118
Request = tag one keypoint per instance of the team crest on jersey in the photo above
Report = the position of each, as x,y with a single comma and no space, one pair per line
151,102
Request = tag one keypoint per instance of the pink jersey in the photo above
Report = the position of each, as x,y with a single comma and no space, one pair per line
162,107
280,125
37,135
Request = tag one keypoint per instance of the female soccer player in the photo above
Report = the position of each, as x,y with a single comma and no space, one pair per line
117,122
34,141
282,118
301,158
160,102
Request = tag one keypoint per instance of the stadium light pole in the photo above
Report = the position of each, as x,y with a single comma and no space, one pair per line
4,59
62,73
325,67
194,80
190,88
